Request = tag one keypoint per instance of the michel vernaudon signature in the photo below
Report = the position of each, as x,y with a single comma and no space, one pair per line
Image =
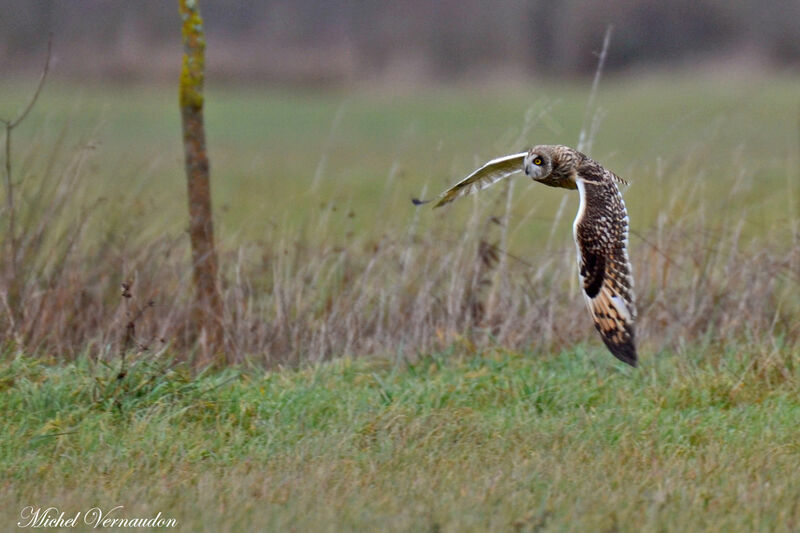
95,517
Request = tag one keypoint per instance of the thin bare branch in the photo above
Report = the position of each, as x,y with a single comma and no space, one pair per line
10,124
12,239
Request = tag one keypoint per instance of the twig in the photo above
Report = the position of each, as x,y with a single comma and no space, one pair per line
21,117
658,250
50,435
10,207
129,338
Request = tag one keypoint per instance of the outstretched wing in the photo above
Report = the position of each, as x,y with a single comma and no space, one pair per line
601,234
487,175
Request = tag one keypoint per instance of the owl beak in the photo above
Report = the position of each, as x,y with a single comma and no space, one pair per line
529,172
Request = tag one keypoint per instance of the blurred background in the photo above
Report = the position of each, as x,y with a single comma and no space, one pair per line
323,120
329,42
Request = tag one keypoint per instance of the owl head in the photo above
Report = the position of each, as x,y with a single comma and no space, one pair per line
552,165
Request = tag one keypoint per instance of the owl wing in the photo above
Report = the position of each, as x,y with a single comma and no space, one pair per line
601,235
487,175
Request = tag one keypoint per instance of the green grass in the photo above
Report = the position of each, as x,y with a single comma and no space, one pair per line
702,437
369,151
491,441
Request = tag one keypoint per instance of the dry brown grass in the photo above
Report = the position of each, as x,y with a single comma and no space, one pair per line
705,277
294,298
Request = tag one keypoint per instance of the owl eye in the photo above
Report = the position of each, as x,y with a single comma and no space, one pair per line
537,161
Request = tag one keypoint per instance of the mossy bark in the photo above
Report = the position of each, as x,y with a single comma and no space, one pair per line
207,310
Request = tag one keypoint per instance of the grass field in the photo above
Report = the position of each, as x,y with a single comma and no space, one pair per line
323,254
496,441
399,368
370,150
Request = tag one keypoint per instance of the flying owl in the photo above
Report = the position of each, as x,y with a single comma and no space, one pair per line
600,230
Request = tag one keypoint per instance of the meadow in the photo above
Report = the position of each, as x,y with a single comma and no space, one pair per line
396,367
493,441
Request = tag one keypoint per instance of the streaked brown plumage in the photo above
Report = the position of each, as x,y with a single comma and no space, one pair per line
600,231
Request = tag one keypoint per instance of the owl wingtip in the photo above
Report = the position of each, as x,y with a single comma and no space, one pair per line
418,202
626,354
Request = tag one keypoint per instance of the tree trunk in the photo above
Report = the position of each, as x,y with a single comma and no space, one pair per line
207,309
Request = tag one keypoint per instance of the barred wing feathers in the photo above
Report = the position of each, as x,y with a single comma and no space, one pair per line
484,177
601,235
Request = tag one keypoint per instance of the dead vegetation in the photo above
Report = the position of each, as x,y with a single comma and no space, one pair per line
703,280
295,299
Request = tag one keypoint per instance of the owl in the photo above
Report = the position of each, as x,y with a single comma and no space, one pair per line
600,231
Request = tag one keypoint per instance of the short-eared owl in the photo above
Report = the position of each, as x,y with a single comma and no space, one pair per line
600,231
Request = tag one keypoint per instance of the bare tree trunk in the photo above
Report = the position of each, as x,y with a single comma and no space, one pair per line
207,310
